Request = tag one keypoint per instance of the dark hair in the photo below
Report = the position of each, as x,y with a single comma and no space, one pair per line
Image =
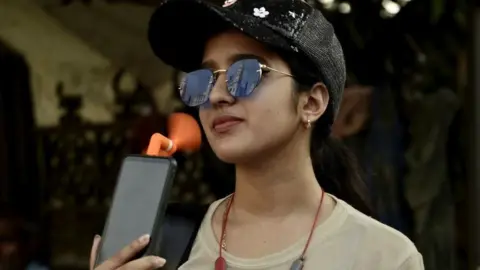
336,167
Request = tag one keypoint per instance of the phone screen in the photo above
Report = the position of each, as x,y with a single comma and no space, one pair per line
136,202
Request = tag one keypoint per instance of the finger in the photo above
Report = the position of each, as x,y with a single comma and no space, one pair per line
93,251
145,263
127,253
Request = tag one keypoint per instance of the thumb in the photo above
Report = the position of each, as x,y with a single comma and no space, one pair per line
93,252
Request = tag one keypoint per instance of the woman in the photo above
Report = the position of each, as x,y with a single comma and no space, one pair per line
268,77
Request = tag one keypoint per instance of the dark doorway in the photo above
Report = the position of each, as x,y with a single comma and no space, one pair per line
19,183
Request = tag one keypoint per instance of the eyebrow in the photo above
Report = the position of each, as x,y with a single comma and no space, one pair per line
232,59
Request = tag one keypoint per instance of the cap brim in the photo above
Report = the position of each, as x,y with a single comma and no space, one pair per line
179,30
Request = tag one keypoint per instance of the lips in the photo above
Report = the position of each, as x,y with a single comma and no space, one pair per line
225,123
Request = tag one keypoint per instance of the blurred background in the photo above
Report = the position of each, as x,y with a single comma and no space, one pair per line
80,88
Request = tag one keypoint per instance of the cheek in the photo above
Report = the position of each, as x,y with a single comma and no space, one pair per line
272,112
202,114
271,121
276,99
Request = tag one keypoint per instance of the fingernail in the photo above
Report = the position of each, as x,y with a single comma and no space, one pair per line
145,238
159,262
96,237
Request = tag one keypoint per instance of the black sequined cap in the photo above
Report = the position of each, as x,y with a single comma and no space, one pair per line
179,30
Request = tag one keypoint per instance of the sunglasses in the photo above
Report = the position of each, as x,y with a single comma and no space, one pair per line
242,77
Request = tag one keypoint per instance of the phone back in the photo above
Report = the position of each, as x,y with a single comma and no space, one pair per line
138,207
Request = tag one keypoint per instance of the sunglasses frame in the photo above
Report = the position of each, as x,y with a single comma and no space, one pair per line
262,67
217,72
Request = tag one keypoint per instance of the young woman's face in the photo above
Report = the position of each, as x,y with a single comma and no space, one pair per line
245,129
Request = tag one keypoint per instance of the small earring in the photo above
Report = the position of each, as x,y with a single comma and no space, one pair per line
309,124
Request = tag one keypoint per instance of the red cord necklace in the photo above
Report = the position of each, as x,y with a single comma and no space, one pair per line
221,263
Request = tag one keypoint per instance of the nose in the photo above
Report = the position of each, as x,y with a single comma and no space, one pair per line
219,96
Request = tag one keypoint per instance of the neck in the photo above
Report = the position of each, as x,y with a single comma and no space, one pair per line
280,184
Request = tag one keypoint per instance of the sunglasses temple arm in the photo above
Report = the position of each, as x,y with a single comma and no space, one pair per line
275,70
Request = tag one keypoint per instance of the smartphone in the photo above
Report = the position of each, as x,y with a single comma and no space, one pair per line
139,203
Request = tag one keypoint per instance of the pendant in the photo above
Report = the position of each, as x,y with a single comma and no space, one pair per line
297,264
220,264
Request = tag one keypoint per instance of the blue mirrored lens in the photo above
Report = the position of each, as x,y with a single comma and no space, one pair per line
195,87
243,76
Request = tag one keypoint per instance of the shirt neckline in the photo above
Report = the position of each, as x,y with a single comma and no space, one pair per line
324,229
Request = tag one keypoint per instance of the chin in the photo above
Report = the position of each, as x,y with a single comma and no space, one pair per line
232,153
232,156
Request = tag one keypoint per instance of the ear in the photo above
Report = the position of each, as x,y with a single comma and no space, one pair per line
354,111
312,104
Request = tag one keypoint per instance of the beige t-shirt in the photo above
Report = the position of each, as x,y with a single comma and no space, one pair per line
347,240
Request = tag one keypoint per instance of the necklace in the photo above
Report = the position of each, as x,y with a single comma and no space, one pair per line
221,263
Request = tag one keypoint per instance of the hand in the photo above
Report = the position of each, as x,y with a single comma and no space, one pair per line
121,261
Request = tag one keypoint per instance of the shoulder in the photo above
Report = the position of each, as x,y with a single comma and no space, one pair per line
213,214
385,236
205,238
216,209
379,243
